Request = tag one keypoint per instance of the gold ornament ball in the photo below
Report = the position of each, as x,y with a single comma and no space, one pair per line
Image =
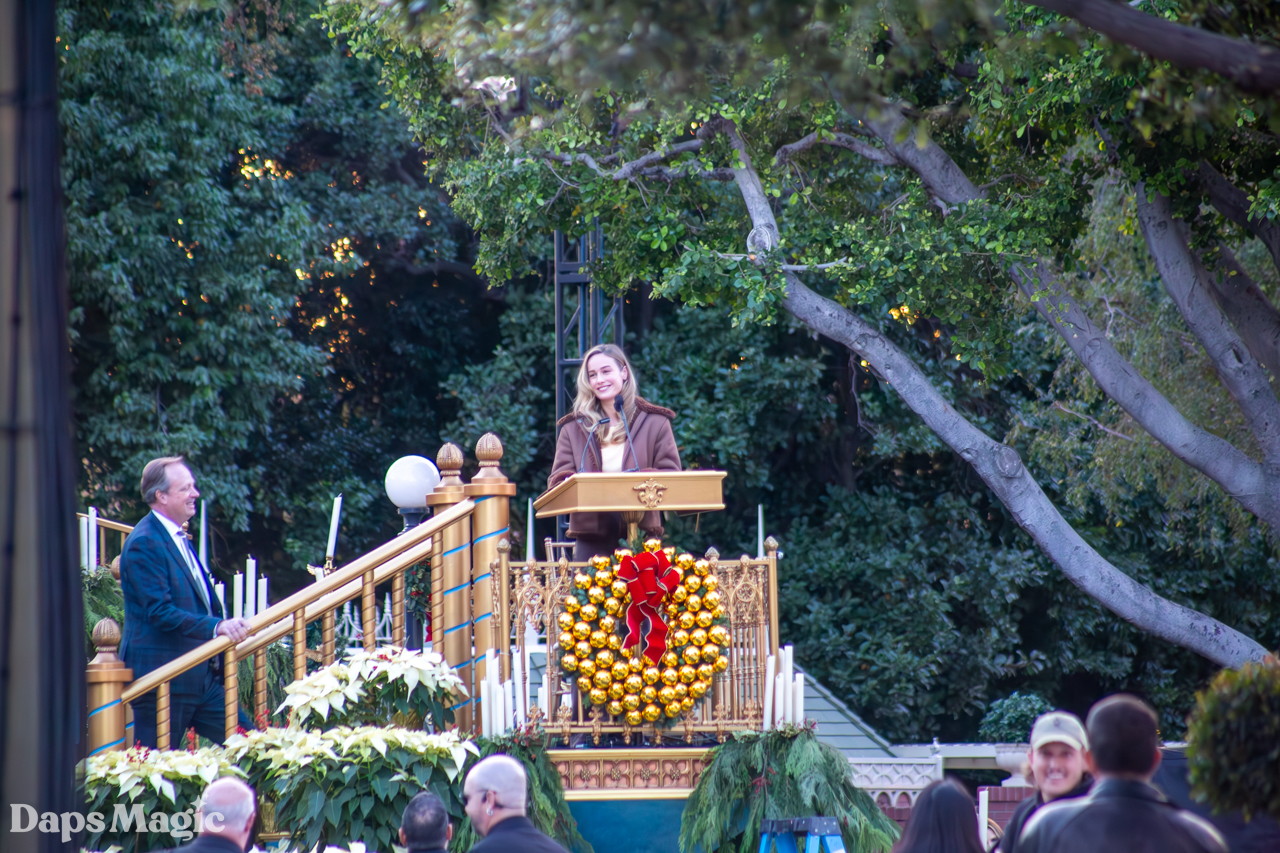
684,562
565,621
566,640
614,708
608,623
618,588
572,604
706,672
584,684
653,545
604,578
581,581
599,562
670,676
685,620
718,613
693,603
649,693
670,551
569,662
670,658
687,703
619,553
620,671
673,608
690,655
719,635
679,637
598,696
581,630
712,600
587,666
631,701
634,683
638,663
679,594
589,612
704,618
672,710
667,694
692,583
602,678
711,651
599,639
612,606
616,691
722,663
688,674
682,690
615,642
651,675
596,595
582,650
634,717
698,689
699,637
651,712
710,583
604,659
701,568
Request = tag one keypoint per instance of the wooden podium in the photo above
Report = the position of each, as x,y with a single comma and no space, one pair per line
633,494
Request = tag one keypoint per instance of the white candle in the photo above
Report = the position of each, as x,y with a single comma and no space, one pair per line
262,595
797,711
759,531
333,528
508,704
237,596
84,543
779,699
250,584
220,590
517,678
483,699
542,700
528,545
204,534
770,670
93,537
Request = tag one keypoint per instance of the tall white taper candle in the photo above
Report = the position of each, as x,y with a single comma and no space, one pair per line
759,531
262,595
237,596
770,670
250,584
528,545
329,550
84,543
93,537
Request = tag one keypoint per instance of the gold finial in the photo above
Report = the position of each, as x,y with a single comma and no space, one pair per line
106,635
115,567
713,554
770,544
503,546
489,450
449,461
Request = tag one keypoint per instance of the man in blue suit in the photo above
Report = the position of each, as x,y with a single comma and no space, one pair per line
170,608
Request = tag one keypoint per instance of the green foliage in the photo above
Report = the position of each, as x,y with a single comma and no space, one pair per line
279,675
1009,720
782,773
103,599
546,805
1233,740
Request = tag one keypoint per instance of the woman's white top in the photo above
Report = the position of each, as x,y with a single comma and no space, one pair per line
611,457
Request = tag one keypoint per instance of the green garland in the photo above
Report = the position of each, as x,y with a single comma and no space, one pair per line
547,807
778,774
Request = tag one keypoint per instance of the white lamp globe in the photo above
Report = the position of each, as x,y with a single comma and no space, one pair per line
409,480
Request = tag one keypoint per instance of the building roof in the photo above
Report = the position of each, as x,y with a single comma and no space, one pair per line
839,726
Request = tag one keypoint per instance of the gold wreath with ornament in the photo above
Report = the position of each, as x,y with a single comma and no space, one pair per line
680,612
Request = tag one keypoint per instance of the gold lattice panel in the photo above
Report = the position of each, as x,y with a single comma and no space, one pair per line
657,773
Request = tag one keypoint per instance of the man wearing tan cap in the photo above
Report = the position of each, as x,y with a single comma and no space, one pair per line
1056,756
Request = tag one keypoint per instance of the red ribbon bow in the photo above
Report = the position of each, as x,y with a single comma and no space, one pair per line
649,577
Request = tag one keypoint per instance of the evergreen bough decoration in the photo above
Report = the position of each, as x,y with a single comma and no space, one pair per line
546,805
778,774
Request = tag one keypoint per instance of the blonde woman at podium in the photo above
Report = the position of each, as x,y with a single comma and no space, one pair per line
611,429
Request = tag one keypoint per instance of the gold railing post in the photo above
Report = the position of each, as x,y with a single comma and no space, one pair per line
230,691
771,554
492,492
504,607
260,684
329,634
397,610
451,635
106,676
163,723
300,644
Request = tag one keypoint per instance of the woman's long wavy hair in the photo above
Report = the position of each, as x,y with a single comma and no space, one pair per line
943,820
587,408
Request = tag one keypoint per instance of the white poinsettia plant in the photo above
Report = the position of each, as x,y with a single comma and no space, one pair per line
371,687
289,749
151,774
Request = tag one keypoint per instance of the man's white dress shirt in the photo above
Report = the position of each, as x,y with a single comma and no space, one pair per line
193,565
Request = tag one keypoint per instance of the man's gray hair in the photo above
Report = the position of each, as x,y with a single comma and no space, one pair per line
503,775
229,802
155,477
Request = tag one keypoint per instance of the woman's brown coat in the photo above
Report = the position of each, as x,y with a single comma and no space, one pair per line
655,450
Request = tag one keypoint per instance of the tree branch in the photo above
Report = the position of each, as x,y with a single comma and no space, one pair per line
1252,67
1231,202
839,140
940,174
1219,460
1190,286
1249,310
997,464
629,170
